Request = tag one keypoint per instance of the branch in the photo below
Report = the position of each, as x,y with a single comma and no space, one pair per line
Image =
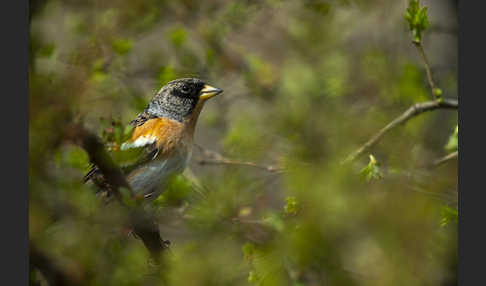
432,85
214,158
446,158
141,222
411,112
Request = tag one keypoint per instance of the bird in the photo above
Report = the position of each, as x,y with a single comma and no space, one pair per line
164,132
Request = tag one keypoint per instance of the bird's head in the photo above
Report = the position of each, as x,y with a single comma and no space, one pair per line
179,98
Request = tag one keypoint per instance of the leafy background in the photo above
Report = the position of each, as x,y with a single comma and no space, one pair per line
306,83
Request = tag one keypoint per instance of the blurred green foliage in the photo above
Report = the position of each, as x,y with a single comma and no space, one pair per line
122,46
448,215
305,83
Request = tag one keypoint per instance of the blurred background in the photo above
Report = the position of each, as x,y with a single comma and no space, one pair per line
305,83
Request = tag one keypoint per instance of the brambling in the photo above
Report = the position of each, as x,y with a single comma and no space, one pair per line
164,130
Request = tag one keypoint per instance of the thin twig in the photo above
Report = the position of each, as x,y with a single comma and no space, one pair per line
432,85
214,158
446,158
411,112
272,169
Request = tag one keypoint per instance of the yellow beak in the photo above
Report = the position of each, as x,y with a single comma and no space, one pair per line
209,91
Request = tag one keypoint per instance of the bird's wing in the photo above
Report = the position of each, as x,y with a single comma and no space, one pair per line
141,118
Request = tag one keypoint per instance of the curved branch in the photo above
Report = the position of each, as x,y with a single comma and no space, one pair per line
141,222
411,112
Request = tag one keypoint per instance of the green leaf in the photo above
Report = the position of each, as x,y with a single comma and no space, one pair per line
417,19
291,206
78,158
371,171
448,215
128,156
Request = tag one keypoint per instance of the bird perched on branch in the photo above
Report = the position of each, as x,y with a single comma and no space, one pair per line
163,136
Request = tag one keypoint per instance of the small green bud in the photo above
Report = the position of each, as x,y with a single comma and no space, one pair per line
437,92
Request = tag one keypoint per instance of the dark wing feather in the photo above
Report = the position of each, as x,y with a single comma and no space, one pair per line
141,118
93,170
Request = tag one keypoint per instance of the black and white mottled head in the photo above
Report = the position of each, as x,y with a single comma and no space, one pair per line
178,98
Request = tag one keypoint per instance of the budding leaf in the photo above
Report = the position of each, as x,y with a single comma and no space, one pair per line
371,171
291,206
417,19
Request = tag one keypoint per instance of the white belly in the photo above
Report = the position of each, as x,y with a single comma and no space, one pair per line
151,178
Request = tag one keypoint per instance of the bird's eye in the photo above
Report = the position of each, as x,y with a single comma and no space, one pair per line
185,89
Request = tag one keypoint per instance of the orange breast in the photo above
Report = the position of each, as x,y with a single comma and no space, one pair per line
168,134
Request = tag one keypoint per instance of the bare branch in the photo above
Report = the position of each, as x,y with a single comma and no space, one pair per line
214,158
446,158
272,169
427,70
411,112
